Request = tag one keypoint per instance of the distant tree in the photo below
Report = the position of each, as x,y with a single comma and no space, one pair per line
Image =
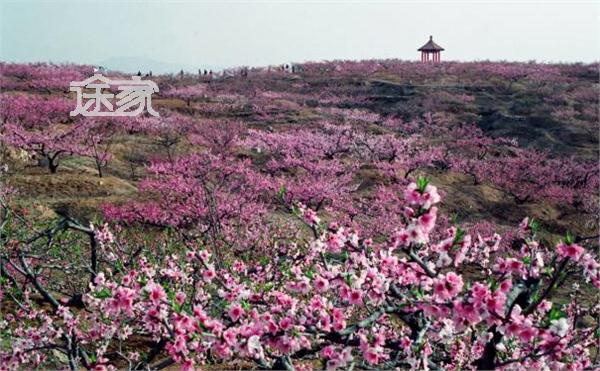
167,131
42,127
187,93
98,139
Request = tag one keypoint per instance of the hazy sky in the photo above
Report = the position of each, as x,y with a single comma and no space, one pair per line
260,33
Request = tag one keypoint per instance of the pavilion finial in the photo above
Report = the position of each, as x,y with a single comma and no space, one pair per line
430,37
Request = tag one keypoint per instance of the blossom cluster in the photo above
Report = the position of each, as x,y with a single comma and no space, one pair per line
344,299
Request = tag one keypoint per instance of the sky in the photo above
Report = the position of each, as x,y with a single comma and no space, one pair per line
197,34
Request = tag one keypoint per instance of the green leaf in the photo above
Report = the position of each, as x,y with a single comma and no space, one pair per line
310,272
268,286
118,266
569,238
282,191
103,294
417,292
493,284
286,271
348,279
460,235
345,255
422,182
556,313
177,307
534,225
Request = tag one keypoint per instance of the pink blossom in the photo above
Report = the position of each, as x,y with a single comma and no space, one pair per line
321,284
416,234
180,297
371,356
230,336
157,293
286,323
328,352
123,299
527,334
180,345
427,220
495,303
572,251
339,325
430,196
209,274
447,286
187,365
412,195
355,297
235,312
505,286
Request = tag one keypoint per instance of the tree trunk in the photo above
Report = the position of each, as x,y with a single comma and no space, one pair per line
99,167
52,166
488,358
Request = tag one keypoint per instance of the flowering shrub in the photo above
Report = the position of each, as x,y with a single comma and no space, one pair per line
187,93
41,76
40,126
411,301
223,196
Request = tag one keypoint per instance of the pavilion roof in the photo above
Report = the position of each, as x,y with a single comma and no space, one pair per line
431,46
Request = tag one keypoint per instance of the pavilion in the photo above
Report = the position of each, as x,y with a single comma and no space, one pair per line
430,49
